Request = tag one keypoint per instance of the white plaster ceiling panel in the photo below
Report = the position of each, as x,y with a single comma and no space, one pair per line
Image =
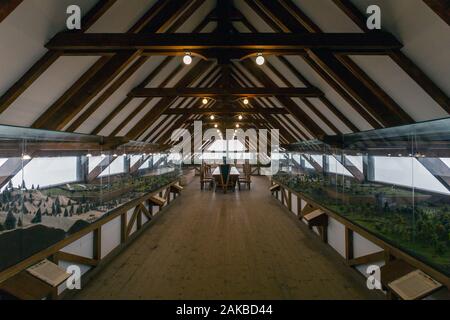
400,87
116,98
24,33
327,16
121,16
48,88
425,36
317,81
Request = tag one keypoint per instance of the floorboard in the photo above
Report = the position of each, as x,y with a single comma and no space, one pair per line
241,245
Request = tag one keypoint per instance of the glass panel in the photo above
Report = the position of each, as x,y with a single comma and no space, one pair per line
394,183
54,184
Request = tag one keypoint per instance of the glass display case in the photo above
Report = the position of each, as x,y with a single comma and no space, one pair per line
54,184
394,183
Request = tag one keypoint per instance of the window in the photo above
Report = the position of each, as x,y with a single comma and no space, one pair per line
116,167
407,172
47,172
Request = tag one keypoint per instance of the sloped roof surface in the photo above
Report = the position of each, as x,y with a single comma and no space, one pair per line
89,92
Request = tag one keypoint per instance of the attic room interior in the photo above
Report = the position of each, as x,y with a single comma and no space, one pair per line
225,150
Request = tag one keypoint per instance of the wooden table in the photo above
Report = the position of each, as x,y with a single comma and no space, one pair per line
234,175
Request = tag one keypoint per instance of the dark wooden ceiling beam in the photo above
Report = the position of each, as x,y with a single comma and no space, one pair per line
344,94
8,6
190,41
217,110
349,76
399,57
301,116
441,8
130,71
170,122
308,103
224,92
311,27
147,120
41,65
323,98
144,103
61,113
358,89
255,103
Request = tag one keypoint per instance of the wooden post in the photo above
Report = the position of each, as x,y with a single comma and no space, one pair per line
97,253
348,244
123,227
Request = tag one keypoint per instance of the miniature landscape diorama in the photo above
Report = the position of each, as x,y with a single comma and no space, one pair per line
417,222
34,218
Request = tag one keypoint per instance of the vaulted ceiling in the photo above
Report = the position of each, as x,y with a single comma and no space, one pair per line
123,75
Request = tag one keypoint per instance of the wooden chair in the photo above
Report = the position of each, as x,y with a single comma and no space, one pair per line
246,176
224,180
206,177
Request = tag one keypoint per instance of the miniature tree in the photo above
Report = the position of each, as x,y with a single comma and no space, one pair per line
66,213
19,223
38,217
1,228
32,187
24,209
10,185
24,187
10,221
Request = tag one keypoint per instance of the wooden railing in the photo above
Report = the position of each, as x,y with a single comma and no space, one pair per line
390,251
161,198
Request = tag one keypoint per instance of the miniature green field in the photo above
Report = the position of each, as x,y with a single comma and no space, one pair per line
422,230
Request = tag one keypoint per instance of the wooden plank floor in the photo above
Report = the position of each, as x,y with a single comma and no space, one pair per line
240,245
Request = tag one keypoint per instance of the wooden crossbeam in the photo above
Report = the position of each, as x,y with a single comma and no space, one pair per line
370,258
69,257
398,56
441,8
8,6
148,119
132,221
222,92
106,69
42,64
191,42
301,116
209,111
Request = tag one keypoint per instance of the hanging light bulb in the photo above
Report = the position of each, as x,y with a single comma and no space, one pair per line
237,125
103,155
246,101
205,101
260,59
218,131
88,155
187,59
26,157
240,117
115,155
212,117
215,126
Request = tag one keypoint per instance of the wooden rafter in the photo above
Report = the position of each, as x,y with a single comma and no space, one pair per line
441,8
49,58
289,104
226,111
192,42
357,83
399,57
148,119
97,78
259,106
223,92
8,6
